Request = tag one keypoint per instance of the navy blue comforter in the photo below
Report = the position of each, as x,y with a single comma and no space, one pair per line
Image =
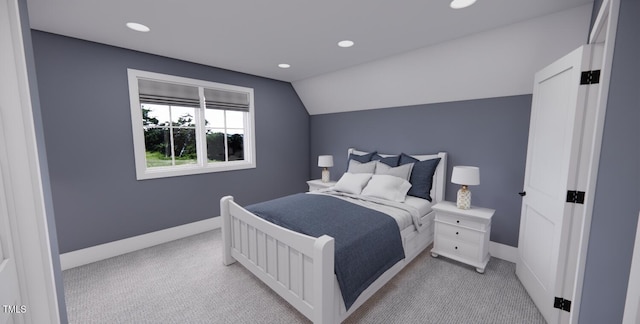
367,242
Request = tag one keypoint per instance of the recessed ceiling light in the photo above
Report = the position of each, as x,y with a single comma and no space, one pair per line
345,43
138,27
459,4
284,65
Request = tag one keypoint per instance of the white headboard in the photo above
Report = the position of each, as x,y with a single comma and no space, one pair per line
439,177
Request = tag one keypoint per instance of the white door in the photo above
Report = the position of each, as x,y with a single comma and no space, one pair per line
10,302
557,115
27,284
10,305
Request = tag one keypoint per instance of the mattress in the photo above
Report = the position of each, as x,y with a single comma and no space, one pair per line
422,205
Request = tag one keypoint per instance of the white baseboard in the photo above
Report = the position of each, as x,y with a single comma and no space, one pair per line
504,252
108,250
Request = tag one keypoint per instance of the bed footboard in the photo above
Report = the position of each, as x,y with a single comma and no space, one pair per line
297,267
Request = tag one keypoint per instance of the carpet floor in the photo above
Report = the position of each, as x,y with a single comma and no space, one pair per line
184,281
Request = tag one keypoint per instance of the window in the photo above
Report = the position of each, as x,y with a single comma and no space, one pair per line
184,126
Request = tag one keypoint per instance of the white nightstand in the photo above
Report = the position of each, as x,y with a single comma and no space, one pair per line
318,184
462,235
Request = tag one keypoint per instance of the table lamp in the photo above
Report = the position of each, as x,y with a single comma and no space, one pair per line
465,176
325,162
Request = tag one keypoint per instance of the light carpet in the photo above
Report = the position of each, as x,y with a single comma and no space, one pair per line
184,281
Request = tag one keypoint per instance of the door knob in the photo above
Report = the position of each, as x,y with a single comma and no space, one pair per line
524,193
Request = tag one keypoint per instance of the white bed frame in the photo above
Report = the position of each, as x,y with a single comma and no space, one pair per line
300,268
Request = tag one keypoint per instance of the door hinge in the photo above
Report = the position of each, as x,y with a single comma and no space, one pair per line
590,77
576,197
562,304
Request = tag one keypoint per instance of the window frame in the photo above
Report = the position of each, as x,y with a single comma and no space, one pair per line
202,165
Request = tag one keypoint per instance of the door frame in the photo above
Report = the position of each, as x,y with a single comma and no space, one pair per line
632,303
603,35
23,183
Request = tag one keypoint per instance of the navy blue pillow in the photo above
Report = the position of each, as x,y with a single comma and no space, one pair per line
421,176
391,161
362,158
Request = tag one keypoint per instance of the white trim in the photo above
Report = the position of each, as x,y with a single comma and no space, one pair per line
632,303
181,170
108,250
503,251
202,166
23,182
603,33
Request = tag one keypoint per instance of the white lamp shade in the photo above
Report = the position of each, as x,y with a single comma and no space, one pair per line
465,175
325,161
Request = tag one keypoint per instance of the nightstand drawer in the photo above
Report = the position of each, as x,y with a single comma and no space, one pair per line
459,220
460,234
458,248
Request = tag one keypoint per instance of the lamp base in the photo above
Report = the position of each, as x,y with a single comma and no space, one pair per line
325,175
464,198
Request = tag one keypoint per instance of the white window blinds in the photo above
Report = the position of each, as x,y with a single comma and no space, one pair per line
171,94
174,94
227,100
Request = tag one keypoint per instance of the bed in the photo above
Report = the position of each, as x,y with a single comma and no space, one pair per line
301,268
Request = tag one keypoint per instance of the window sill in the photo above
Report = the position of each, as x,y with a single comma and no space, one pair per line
176,171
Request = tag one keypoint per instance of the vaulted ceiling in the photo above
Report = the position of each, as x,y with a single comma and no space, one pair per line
254,36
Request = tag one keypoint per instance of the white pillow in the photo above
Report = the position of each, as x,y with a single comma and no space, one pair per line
359,167
387,187
403,171
352,182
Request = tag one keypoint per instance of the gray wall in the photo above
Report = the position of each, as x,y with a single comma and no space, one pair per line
87,128
42,156
617,196
489,133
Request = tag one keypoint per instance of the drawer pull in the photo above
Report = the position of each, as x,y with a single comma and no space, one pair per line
458,221
457,233
456,247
